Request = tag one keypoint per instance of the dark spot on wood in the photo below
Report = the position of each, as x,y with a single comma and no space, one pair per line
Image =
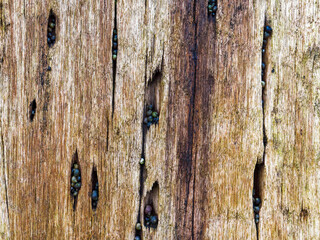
94,188
304,214
32,109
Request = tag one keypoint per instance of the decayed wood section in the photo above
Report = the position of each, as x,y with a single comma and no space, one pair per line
204,78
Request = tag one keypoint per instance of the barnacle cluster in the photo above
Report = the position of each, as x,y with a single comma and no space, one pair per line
256,207
152,116
266,34
75,179
150,218
114,44
51,34
95,195
212,7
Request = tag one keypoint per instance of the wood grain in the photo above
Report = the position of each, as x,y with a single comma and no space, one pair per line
203,77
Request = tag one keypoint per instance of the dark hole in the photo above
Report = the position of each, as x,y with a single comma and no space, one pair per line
257,193
95,188
259,172
32,109
212,8
75,179
51,31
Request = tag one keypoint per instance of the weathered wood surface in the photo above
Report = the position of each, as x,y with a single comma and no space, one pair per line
203,77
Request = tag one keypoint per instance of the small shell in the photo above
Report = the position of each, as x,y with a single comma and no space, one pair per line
154,220
149,113
138,226
154,114
148,210
76,172
74,179
94,195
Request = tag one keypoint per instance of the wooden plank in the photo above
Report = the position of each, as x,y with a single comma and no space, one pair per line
291,183
202,75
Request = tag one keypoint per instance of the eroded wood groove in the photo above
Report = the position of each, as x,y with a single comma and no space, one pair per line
4,172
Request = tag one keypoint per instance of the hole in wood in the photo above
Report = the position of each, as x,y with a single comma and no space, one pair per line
257,193
154,91
75,178
153,98
51,32
114,62
151,205
95,188
212,8
266,34
32,109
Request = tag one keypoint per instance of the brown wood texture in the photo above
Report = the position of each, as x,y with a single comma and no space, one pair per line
203,77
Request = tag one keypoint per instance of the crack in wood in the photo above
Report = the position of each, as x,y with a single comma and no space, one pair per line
5,179
260,167
114,60
94,188
193,106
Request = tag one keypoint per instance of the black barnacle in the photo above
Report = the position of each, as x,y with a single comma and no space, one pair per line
149,113
268,29
266,34
94,195
153,219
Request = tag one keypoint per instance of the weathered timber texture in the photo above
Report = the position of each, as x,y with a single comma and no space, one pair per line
203,76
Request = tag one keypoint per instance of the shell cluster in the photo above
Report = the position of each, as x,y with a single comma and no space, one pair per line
75,180
95,196
114,45
212,7
152,116
256,207
150,218
266,34
51,34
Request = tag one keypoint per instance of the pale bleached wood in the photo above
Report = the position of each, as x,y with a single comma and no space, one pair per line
291,191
